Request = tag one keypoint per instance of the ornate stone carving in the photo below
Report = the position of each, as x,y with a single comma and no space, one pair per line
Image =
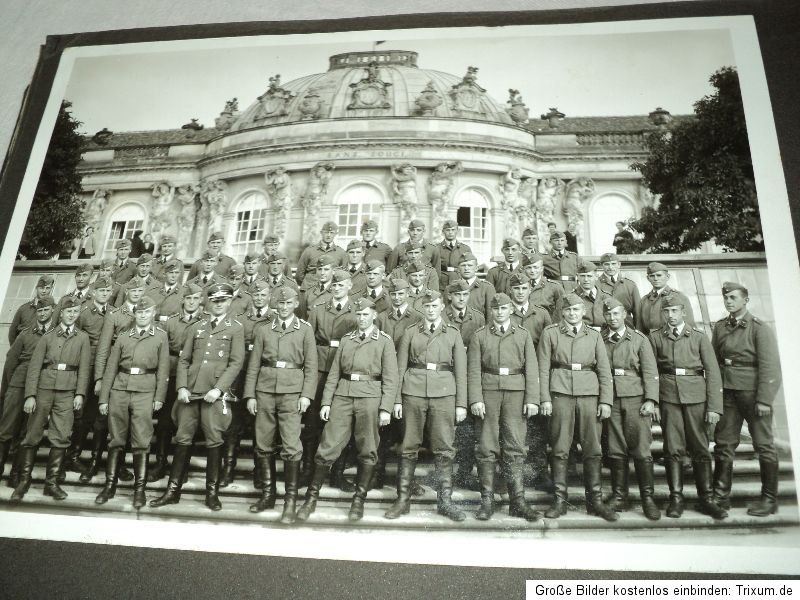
526,206
138,152
192,126
316,192
428,101
102,137
548,194
404,191
578,191
370,91
274,101
187,199
228,115
553,117
660,118
440,188
311,105
516,201
279,188
160,217
213,198
94,209
467,95
517,109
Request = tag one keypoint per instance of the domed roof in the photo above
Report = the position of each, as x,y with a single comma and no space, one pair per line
373,84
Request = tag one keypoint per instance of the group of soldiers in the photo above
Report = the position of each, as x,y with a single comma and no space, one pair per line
371,349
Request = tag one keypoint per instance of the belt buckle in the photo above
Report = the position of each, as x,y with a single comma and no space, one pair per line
249,347
503,370
163,318
728,362
280,364
355,377
430,366
576,366
680,371
61,367
450,269
334,343
619,371
136,371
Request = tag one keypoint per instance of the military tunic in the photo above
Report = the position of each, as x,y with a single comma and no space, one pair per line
24,318
650,316
123,271
449,257
431,276
376,250
480,296
263,268
533,318
91,320
395,326
206,280
380,298
275,284
500,276
562,269
467,325
312,297
149,283
624,290
168,300
223,266
305,265
358,279
593,316
430,252
548,295
158,267
240,303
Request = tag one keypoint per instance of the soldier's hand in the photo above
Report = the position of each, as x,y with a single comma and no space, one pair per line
157,406
103,408
461,414
397,413
712,417
384,418
325,413
546,409
183,395
603,411
530,410
763,410
77,402
302,404
648,409
97,385
252,406
212,395
657,414
478,409
30,404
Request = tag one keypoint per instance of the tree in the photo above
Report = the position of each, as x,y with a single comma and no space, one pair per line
702,170
56,215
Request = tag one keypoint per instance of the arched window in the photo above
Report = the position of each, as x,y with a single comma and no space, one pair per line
356,204
124,222
604,213
249,225
473,222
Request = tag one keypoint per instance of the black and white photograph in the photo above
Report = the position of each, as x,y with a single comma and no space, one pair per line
523,287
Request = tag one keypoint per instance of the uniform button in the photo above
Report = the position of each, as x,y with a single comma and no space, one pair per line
205,361
209,344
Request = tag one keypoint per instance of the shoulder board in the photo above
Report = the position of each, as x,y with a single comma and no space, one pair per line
698,330
520,327
304,322
159,329
451,326
758,321
551,326
114,310
239,323
386,335
23,330
656,330
641,334
481,328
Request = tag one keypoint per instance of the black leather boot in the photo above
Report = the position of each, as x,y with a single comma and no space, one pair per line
518,507
187,464
318,477
723,480
486,477
4,447
172,495
594,492
291,471
229,462
464,477
444,492
405,473
93,468
112,468
705,491
72,460
618,500
13,473
266,475
338,480
54,461
644,475
559,505
363,478
139,479
768,504
674,470
213,468
306,465
26,456
161,468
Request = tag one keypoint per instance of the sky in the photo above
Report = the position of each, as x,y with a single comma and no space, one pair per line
581,75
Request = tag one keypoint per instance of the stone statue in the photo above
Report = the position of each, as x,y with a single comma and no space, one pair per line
428,101
517,109
439,188
578,191
93,211
279,188
187,199
160,217
510,201
311,105
228,115
213,198
404,191
370,91
466,96
526,203
548,194
275,100
316,192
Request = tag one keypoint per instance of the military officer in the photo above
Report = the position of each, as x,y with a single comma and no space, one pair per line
416,233
373,249
544,293
134,386
271,243
651,314
635,376
209,362
414,255
575,385
358,397
308,259
216,241
241,297
690,390
591,295
480,292
561,265
175,327
503,393
168,296
15,370
530,242
623,289
26,315
55,386
209,273
376,291
356,267
281,379
450,250
432,367
143,277
166,255
746,350
276,277
499,275
124,268
320,292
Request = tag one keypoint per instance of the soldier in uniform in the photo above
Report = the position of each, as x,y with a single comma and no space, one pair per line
271,244
358,397
26,315
209,273
166,255
561,265
591,295
414,255
544,293
530,242
376,290
281,379
82,292
124,269
15,370
175,327
623,289
168,296
416,233
373,249
134,386
450,250
105,270
503,394
241,298
690,390
748,355
223,263
650,315
252,264
480,292
308,259
209,362
320,292
276,277
55,386
415,273
143,277
356,267
499,275
575,385
635,376
432,367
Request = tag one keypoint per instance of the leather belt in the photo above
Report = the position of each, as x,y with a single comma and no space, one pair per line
138,371
568,278
622,372
448,269
503,371
729,362
330,344
280,364
572,366
61,367
360,377
432,366
682,372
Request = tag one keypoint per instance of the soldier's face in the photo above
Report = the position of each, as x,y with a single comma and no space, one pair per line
501,313
467,269
530,241
458,300
586,281
417,279
43,314
44,291
122,253
432,310
658,279
209,264
144,269
365,318
144,318
368,234
558,244
216,245
101,294
355,256
219,307
551,228
339,289
521,293
236,280
375,277
82,279
573,314
615,318
261,298
325,272
70,315
191,303
270,248
673,315
534,270
511,253
735,301
251,268
611,268
286,308
399,297
167,249
275,268
327,236
415,233
171,277
413,254
135,294
449,233
105,272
